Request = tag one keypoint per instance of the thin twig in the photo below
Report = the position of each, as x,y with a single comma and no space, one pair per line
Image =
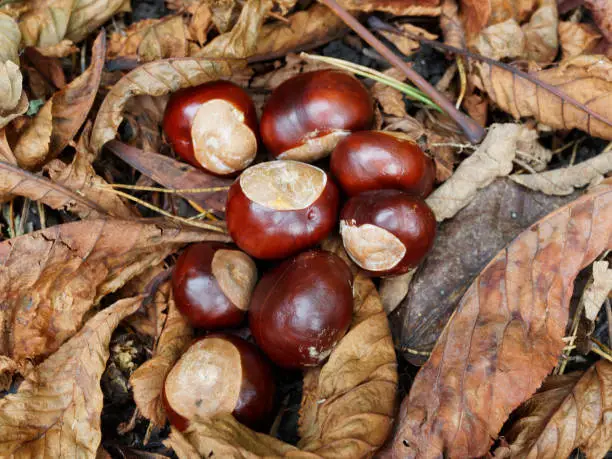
601,353
473,131
462,80
164,190
609,316
25,210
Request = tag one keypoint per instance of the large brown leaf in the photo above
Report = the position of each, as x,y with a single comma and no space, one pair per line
156,78
56,410
69,109
49,279
347,407
505,336
570,411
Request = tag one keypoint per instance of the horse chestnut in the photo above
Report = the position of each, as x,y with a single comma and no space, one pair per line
307,115
220,374
302,308
279,208
213,126
387,232
375,160
212,284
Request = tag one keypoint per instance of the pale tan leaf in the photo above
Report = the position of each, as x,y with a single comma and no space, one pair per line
492,159
10,38
577,38
596,293
505,336
14,101
56,410
34,143
390,99
155,78
395,7
450,23
541,38
394,289
224,13
563,181
148,380
49,279
6,154
62,49
602,14
405,44
571,411
501,40
180,445
588,79
200,22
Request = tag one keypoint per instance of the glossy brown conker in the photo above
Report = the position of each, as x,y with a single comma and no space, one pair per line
212,284
302,308
387,232
377,160
279,208
213,126
307,115
220,374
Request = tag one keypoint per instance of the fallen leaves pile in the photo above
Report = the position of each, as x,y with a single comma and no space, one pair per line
498,344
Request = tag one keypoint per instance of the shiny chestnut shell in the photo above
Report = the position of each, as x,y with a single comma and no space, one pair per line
302,308
212,283
231,101
376,160
279,208
306,115
242,383
387,232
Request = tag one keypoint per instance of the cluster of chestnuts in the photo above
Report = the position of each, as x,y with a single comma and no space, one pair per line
281,210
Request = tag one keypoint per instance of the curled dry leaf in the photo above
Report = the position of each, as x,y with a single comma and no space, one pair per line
577,38
64,114
395,7
450,23
57,407
14,101
588,79
144,115
49,279
602,14
8,367
501,40
464,245
505,336
348,403
148,380
541,37
156,79
48,22
394,289
63,49
570,411
563,181
10,38
405,44
596,293
390,99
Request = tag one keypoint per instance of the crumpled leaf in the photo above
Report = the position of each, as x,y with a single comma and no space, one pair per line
50,278
406,44
8,368
224,14
347,406
66,111
57,407
501,40
602,14
570,411
14,101
49,67
200,22
151,39
10,38
48,22
155,78
148,380
577,38
563,181
541,38
505,336
450,23
395,7
596,293
62,49
145,115
588,79
394,289
464,245
390,99
241,41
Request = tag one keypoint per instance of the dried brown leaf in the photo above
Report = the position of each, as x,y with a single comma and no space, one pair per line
406,44
501,40
49,279
395,7
224,13
505,336
588,79
34,143
563,181
10,38
145,115
148,380
156,79
577,38
475,15
541,38
602,14
8,367
390,99
14,101
200,22
571,411
56,410
393,290
450,23
49,67
62,49
597,292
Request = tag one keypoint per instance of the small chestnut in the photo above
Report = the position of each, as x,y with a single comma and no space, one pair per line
307,115
279,208
212,284
376,160
387,232
220,374
302,308
213,126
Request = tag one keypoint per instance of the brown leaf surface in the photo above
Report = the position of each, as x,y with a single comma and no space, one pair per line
541,37
501,40
62,49
68,109
464,245
570,411
588,79
395,7
56,410
155,78
348,403
10,38
602,14
577,38
596,293
14,101
148,380
505,336
405,44
49,279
